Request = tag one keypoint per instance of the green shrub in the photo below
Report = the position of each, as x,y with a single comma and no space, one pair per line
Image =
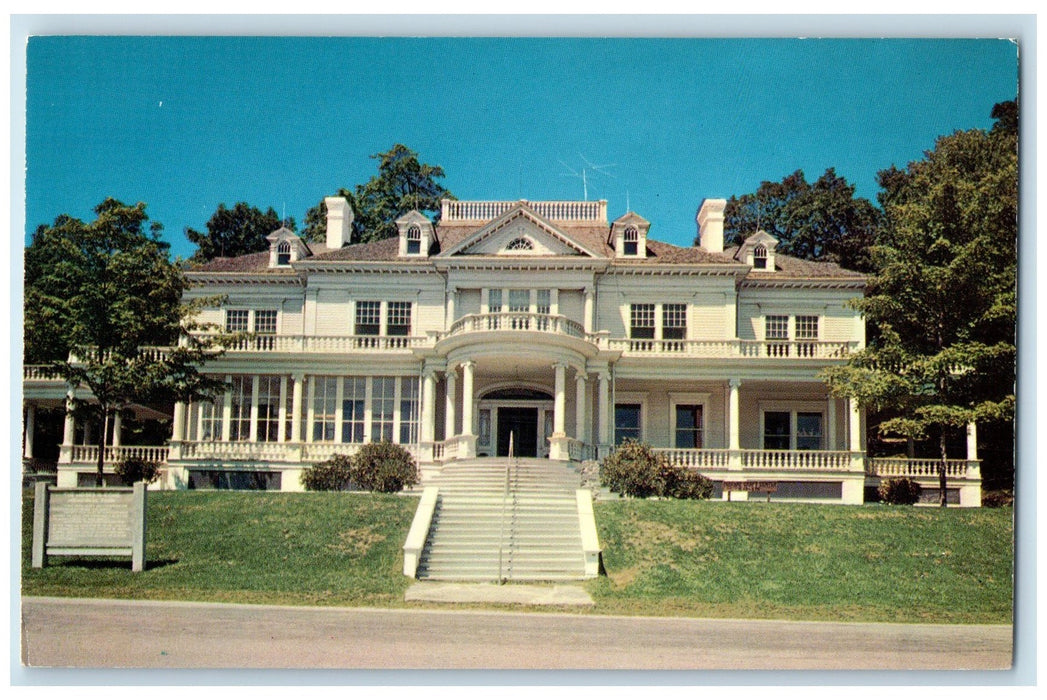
134,469
899,492
998,499
633,469
383,466
334,474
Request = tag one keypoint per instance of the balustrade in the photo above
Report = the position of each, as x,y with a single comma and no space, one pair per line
904,467
323,344
555,211
819,350
517,321
88,454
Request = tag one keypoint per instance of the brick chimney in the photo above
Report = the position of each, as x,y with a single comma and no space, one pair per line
339,221
710,225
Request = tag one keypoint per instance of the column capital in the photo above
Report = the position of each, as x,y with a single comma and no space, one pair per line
734,383
561,364
464,364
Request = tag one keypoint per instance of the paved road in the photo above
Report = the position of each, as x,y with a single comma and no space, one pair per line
59,632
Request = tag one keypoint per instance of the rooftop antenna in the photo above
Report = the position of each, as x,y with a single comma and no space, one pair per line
586,170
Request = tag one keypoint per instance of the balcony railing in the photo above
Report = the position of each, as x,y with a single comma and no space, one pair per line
517,321
40,373
915,468
816,350
326,343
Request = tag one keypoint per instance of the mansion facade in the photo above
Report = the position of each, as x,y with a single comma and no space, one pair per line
538,324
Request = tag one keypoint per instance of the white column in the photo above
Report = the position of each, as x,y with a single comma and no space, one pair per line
69,429
559,404
428,430
281,428
830,443
118,424
587,321
253,429
604,409
452,298
227,410
733,411
467,397
450,403
309,408
854,443
581,426
296,408
972,441
178,422
30,426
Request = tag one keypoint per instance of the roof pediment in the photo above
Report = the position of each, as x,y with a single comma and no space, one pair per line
519,232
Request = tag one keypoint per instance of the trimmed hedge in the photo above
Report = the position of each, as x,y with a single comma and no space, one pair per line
133,469
901,491
633,469
378,466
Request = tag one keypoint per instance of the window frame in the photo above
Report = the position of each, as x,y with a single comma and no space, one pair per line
626,398
795,409
367,315
697,399
641,312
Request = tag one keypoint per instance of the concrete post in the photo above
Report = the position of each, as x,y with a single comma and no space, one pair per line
65,454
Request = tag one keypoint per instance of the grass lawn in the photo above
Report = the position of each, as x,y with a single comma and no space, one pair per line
710,559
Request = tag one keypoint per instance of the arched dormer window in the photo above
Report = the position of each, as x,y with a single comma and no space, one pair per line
630,241
760,257
283,253
414,240
520,244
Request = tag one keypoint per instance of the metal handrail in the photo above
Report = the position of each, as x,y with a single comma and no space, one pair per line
505,499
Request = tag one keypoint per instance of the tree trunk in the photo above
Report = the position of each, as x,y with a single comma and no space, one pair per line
941,471
99,479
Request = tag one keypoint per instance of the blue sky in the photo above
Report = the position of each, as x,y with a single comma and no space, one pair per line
186,123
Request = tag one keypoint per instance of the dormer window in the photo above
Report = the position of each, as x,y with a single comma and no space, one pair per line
520,244
760,257
283,253
631,242
414,240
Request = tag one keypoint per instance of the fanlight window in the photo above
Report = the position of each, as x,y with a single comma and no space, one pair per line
630,242
283,253
520,244
414,240
760,257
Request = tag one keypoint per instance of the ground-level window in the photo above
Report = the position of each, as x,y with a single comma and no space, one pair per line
792,430
627,417
688,426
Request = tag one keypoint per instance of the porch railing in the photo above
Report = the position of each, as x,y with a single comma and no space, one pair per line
88,454
580,451
915,468
759,460
697,459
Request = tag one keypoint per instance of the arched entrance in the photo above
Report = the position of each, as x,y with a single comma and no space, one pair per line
522,412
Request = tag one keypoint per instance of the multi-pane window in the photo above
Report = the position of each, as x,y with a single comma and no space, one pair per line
806,329
630,241
240,416
265,321
210,421
674,321
268,408
283,253
519,300
760,257
688,426
354,402
408,410
383,403
520,244
368,317
808,431
776,430
398,318
414,240
792,430
236,320
626,422
641,321
776,328
494,300
543,301
325,406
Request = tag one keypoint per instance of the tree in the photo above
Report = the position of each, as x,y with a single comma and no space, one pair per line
402,184
823,221
108,299
237,231
941,306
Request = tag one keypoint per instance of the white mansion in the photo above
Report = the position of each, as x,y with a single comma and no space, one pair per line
542,321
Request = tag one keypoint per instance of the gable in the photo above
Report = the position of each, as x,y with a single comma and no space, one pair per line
519,232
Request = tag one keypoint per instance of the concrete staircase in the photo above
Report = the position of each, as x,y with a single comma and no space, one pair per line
479,533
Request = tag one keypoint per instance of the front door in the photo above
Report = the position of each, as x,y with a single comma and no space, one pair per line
522,422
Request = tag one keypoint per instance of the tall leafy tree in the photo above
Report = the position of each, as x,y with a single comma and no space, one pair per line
941,306
101,298
237,231
402,184
823,221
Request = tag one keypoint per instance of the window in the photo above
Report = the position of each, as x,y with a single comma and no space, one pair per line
808,431
520,244
268,408
414,240
776,430
368,317
283,253
383,401
519,300
408,410
210,421
354,401
626,422
641,321
806,329
543,301
688,426
236,320
398,318
777,328
240,418
494,301
265,322
760,257
674,321
630,241
792,430
325,404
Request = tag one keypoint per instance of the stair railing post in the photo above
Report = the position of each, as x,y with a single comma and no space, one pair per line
505,498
